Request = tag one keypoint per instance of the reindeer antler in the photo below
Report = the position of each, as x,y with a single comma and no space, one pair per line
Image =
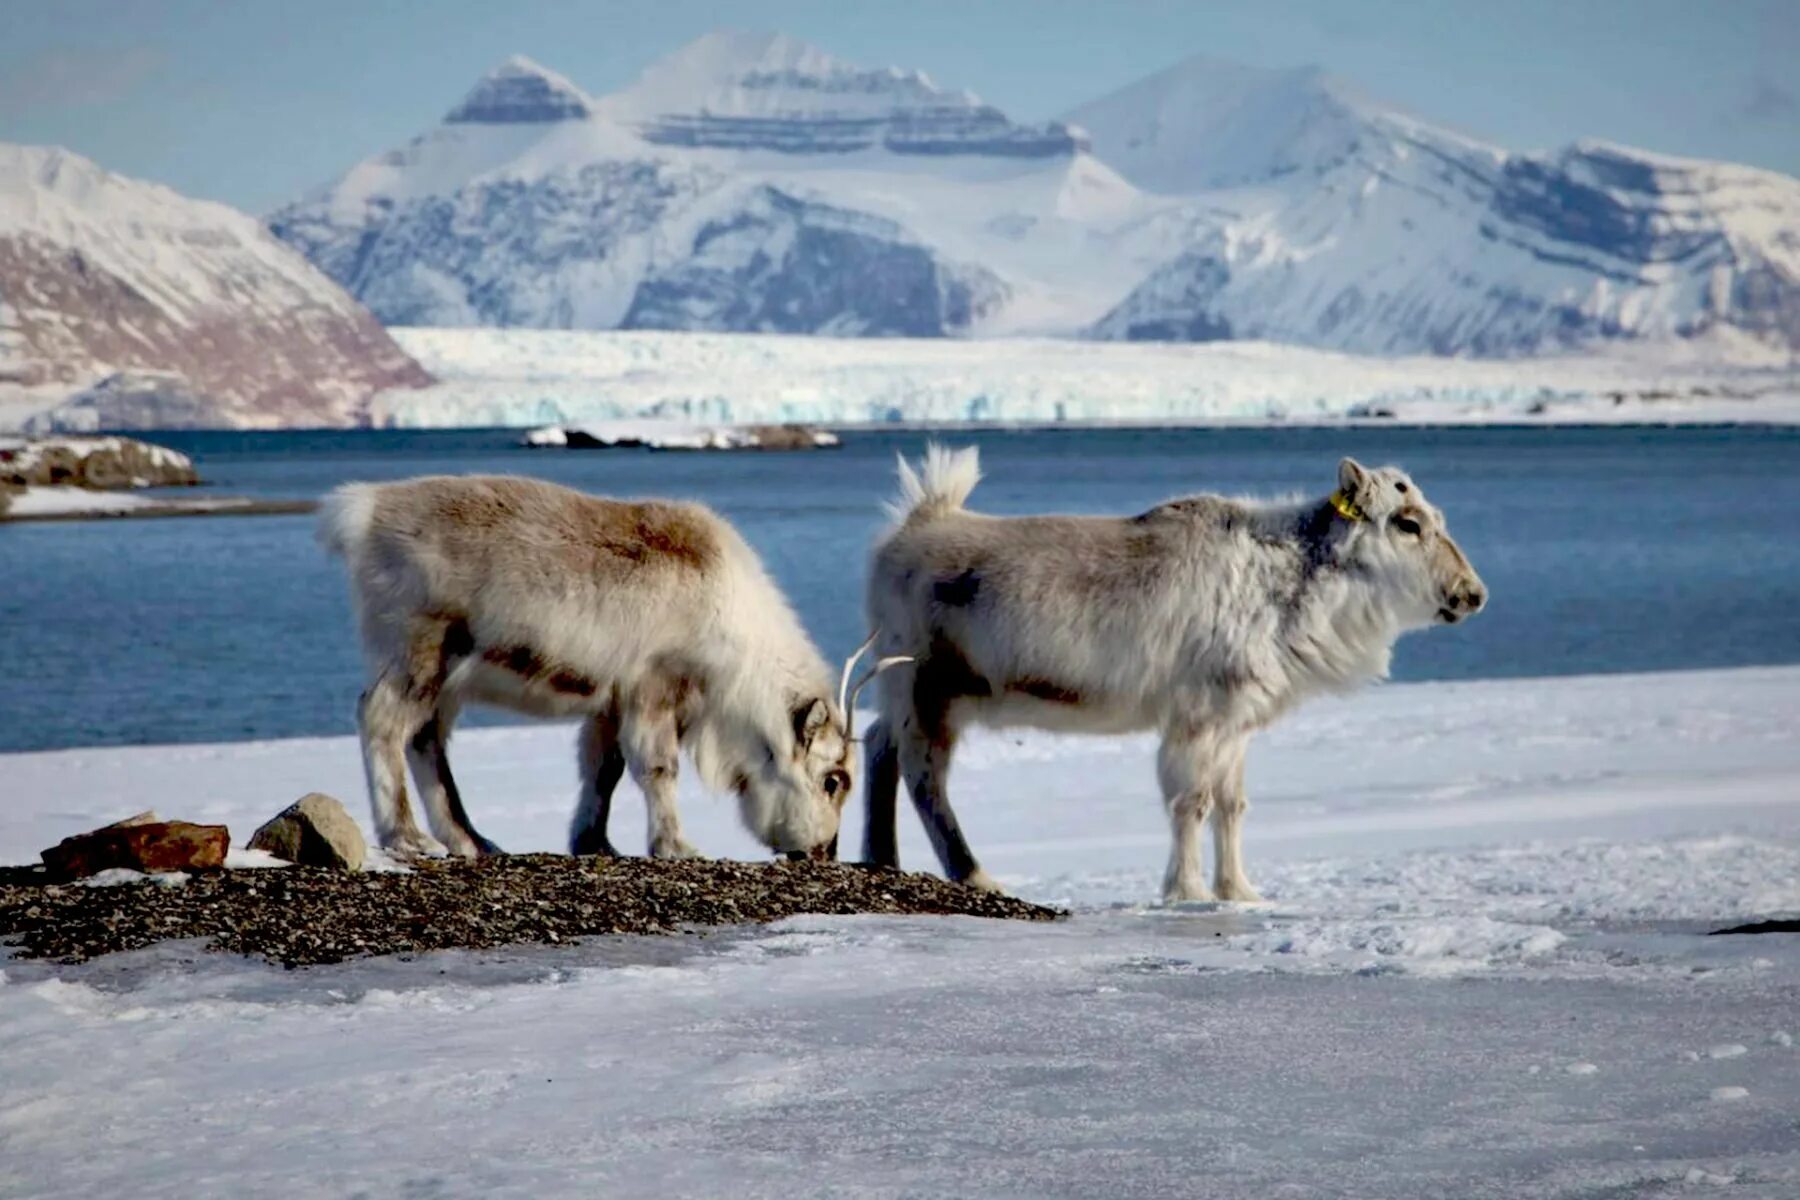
847,691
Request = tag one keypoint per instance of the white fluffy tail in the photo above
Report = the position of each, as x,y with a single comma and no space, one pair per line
941,484
345,516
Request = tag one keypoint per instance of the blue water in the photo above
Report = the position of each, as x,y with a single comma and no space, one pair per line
1605,550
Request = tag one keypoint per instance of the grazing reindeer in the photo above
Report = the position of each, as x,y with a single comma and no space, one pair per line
1204,619
653,620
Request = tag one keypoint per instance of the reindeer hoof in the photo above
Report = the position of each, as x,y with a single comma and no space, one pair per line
1241,893
981,881
414,844
673,848
476,847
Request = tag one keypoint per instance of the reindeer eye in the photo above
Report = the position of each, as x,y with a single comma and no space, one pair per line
835,783
1407,526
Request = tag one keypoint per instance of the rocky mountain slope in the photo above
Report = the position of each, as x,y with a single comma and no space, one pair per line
753,182
104,278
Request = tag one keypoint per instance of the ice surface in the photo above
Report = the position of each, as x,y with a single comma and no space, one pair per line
1480,972
522,377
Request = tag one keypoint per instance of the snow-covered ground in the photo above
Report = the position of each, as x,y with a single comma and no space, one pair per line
524,377
1479,973
37,503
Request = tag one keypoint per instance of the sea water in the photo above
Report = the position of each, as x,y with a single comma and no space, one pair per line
1604,550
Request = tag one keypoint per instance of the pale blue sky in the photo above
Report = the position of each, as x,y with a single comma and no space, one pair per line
252,101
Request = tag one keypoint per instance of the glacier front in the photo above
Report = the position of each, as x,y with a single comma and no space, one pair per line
528,377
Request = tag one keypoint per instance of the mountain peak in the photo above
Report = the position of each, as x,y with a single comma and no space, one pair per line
521,92
741,74
1208,123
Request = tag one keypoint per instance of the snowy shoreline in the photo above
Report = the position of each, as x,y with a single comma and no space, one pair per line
1487,902
79,504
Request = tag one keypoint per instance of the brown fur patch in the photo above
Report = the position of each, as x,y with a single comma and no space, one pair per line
941,677
520,660
527,663
671,532
570,684
1043,689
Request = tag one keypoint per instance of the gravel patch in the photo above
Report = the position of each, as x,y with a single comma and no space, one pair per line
298,916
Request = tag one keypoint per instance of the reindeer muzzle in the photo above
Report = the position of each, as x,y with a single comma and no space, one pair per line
823,852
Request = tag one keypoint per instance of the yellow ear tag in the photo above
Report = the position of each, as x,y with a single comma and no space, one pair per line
1346,507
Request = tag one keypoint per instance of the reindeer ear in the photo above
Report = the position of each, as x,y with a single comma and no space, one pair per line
1353,479
812,716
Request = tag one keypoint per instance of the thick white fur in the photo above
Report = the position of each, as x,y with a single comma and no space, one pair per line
1205,619
705,652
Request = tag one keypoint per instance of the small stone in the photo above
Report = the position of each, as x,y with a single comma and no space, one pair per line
313,831
139,843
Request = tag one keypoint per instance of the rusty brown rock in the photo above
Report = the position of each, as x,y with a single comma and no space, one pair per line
139,844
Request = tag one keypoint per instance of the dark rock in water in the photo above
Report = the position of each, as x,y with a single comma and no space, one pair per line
139,843
314,831
791,437
1778,926
302,915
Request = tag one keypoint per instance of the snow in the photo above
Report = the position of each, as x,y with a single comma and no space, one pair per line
1215,200
522,377
1480,972
40,502
58,501
184,255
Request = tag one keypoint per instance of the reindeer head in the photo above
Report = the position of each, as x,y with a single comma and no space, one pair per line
798,802
1401,537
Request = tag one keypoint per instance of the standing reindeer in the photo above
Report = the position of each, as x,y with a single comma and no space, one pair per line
653,620
1204,619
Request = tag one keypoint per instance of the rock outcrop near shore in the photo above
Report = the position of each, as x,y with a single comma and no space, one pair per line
104,463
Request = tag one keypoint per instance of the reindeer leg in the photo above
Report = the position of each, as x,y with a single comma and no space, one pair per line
1182,767
925,754
386,718
1228,832
428,754
602,766
881,846
653,755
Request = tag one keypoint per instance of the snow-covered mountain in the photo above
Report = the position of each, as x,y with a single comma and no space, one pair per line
1335,221
755,183
746,182
100,274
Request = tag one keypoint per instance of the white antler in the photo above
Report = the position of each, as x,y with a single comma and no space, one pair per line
849,666
847,691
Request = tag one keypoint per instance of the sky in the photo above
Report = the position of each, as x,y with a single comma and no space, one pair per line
253,102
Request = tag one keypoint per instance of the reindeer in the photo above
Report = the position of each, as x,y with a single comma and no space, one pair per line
652,620
1204,618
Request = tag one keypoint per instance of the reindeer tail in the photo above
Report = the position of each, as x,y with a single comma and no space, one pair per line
941,484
